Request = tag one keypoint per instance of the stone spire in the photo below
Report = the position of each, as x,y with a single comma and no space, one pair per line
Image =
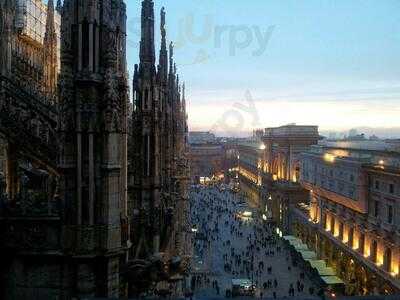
172,77
50,36
163,31
147,47
163,60
50,56
145,153
50,28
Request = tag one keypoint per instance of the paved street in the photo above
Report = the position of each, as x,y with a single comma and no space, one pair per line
232,244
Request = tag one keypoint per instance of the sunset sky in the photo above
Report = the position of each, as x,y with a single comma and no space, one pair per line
335,64
259,63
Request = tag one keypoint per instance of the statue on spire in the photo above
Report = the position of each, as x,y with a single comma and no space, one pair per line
163,60
162,24
171,51
59,7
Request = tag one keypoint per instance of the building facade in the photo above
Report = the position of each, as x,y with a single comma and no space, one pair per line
281,172
352,214
341,199
250,167
201,137
206,161
36,45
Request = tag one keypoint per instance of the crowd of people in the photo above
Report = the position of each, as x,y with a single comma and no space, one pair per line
232,242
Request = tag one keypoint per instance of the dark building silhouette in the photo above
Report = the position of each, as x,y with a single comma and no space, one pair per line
93,193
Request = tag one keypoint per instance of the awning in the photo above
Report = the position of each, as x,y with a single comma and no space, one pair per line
300,246
332,280
308,254
289,237
317,264
294,241
321,267
326,272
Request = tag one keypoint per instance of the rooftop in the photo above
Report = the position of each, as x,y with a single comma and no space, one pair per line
366,145
258,145
292,130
